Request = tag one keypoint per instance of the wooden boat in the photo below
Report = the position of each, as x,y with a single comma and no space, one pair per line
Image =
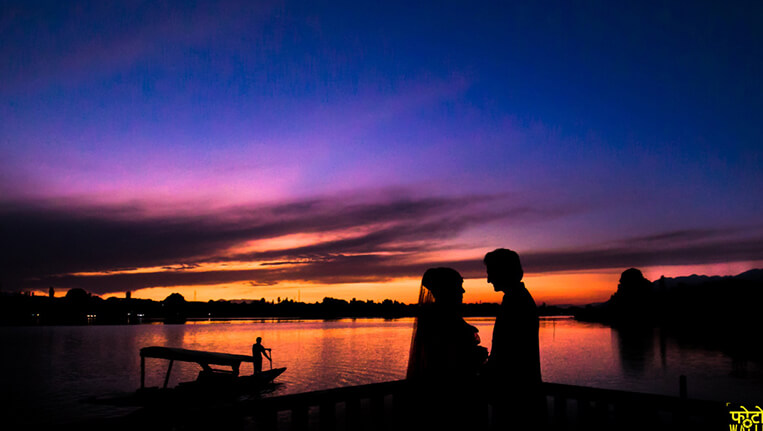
208,376
212,383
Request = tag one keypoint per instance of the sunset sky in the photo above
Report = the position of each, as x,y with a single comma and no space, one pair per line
306,149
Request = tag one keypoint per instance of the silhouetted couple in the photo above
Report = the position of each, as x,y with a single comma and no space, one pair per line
453,377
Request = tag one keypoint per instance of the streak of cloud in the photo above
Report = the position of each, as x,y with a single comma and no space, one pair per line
44,244
340,268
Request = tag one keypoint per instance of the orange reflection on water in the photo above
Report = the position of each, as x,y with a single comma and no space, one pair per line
318,354
570,351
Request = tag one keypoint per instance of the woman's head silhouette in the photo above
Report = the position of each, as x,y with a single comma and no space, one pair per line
446,285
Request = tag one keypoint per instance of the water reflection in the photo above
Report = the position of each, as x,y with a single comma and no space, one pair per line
635,348
54,368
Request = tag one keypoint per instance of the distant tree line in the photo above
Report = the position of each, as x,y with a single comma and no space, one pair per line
79,307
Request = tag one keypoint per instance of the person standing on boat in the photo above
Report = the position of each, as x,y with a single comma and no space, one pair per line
258,351
513,367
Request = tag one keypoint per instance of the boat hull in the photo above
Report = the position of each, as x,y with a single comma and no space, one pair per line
225,379
209,385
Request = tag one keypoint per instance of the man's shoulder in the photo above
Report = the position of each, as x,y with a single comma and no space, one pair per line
521,307
529,298
519,298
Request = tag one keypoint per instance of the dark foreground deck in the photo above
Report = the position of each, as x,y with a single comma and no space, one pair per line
380,406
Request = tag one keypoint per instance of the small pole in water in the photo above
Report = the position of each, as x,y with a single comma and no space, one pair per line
682,387
169,370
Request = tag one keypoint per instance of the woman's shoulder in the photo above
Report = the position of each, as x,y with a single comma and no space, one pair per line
470,328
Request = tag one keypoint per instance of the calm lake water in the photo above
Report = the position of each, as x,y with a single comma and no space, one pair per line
48,371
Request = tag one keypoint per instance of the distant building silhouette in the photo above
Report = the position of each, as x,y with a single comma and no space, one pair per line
51,292
128,295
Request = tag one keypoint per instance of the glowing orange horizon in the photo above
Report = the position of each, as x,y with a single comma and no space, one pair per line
553,288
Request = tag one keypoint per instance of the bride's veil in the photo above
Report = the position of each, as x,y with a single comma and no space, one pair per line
417,359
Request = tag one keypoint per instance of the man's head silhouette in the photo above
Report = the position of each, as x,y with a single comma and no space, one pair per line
503,269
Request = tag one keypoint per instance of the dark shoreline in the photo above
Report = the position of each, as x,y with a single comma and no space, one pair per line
84,309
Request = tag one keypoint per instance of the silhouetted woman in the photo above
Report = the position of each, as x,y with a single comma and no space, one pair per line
445,354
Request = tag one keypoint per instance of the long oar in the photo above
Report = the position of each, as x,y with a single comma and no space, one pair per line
271,358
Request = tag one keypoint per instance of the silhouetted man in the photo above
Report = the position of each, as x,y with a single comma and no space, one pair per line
258,350
513,366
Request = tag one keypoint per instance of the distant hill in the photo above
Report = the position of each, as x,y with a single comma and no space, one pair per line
755,275
717,312
751,275
717,300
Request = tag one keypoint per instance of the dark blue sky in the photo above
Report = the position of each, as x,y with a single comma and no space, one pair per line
601,124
